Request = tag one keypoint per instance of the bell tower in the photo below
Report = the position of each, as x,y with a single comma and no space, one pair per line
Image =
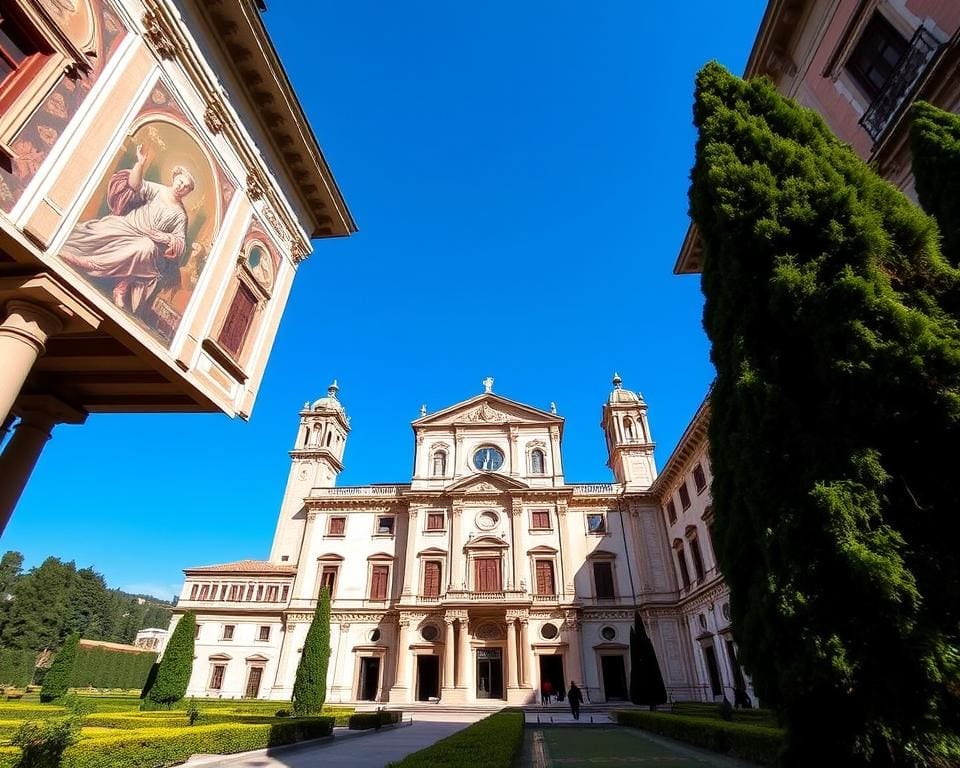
316,460
629,443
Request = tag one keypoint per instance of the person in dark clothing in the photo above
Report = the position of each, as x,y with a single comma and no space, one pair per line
574,697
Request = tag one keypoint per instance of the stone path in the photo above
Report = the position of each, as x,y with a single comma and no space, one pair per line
615,746
371,750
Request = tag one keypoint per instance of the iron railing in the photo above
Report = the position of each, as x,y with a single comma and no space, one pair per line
901,83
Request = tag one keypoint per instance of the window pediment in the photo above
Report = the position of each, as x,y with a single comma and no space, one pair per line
487,542
331,556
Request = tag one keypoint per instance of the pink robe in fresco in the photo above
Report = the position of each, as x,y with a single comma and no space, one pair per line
126,245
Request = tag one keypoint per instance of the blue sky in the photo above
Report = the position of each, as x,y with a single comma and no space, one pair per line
519,173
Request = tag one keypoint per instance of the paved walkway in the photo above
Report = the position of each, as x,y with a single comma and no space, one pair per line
614,746
371,750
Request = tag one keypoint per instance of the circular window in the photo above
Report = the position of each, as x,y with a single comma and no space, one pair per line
608,633
430,633
725,610
488,459
374,635
487,519
549,631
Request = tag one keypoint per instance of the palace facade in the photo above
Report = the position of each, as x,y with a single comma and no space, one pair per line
486,575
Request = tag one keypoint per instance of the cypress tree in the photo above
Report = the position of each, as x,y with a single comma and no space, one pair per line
57,680
935,143
310,686
173,674
646,681
834,431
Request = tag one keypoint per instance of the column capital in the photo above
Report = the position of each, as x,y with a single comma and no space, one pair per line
30,322
37,409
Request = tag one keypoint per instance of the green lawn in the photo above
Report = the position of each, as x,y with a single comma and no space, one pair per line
601,747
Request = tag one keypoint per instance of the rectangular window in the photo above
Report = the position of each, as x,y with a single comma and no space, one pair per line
197,635
699,478
378,582
540,519
22,54
193,591
684,573
876,55
672,511
204,591
216,676
545,582
337,526
259,593
603,580
435,521
237,323
596,523
284,593
249,592
223,593
272,593
328,577
684,496
228,632
431,578
263,634
236,591
385,526
487,574
697,558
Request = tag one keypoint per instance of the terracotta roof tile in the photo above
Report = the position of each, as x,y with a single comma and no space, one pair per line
245,566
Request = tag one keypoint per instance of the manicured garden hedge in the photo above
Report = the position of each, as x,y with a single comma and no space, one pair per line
756,743
99,667
493,743
17,667
158,747
364,721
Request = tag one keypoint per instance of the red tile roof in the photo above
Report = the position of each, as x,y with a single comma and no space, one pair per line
245,567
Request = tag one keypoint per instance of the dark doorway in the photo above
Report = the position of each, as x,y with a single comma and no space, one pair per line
428,678
614,678
369,678
253,682
713,670
489,673
551,671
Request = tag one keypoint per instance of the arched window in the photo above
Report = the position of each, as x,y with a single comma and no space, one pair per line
538,462
439,468
628,428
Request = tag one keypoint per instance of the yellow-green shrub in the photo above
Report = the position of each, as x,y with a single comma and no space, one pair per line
493,743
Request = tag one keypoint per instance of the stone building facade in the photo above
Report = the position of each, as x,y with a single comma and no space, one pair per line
159,187
485,576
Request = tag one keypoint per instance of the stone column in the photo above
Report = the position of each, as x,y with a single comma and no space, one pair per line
456,549
567,586
511,659
448,651
467,670
525,654
574,662
19,458
516,516
401,685
23,333
515,453
411,584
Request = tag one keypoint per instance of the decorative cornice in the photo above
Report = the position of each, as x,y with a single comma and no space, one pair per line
213,117
157,33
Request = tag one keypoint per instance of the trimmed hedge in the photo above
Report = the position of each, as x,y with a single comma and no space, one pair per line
755,743
10,757
364,721
158,747
98,667
16,667
493,743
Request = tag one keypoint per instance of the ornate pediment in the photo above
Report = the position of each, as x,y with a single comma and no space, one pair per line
485,414
486,483
488,408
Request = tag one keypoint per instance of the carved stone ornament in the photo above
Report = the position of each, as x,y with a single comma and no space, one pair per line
298,252
157,35
438,446
536,444
213,117
255,190
485,414
299,618
482,487
488,631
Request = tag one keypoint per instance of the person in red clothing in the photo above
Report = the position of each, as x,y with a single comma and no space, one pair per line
546,690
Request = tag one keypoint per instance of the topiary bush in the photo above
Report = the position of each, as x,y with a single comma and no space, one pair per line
364,721
176,666
310,685
57,680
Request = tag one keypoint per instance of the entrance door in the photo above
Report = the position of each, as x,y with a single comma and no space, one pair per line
369,678
489,673
551,672
614,678
254,676
428,678
713,670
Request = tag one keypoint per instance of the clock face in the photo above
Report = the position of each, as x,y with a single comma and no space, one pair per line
488,459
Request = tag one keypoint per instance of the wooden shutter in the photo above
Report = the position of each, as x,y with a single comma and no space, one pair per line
378,582
431,579
238,320
603,579
337,526
541,518
435,521
487,574
329,577
545,578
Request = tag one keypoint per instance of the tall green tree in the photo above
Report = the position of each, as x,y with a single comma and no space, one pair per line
310,685
57,680
173,674
646,680
834,431
935,144
38,615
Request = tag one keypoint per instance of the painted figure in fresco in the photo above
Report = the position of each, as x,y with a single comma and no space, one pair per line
141,241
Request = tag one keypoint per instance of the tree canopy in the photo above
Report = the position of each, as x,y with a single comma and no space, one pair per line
833,433
935,144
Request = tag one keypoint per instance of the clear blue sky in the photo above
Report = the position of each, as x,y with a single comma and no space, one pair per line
519,174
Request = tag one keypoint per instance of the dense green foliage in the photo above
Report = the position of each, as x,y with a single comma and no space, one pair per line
173,674
364,721
833,432
56,599
42,744
492,743
310,685
935,143
755,743
646,681
17,666
98,667
57,680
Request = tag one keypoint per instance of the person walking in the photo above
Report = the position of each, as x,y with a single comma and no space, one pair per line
545,690
574,697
